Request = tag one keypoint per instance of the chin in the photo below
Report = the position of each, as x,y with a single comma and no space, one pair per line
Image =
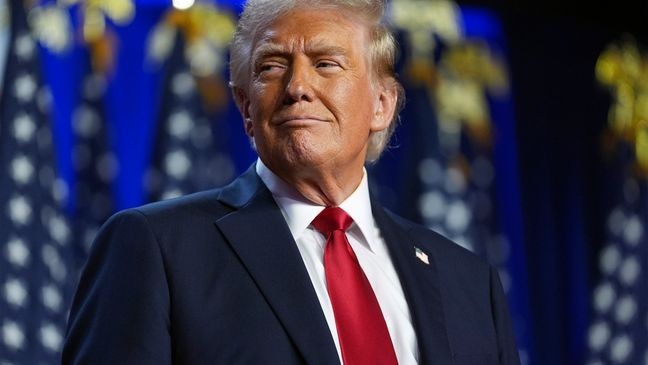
306,149
301,162
305,159
301,150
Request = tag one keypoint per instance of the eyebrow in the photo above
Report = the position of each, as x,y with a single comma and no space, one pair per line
268,49
317,48
322,47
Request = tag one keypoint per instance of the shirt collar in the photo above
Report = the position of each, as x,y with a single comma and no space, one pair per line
300,212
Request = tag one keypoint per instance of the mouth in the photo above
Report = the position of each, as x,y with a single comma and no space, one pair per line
299,120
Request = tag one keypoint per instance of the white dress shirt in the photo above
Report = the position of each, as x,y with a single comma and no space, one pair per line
368,245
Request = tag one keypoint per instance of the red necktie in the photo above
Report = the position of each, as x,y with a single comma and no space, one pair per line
363,334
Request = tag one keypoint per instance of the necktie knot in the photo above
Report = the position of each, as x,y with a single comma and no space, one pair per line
332,219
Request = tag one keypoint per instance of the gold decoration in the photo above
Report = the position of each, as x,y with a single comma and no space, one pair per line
422,72
641,146
52,27
94,24
102,53
459,84
101,42
207,31
95,12
468,73
624,70
423,19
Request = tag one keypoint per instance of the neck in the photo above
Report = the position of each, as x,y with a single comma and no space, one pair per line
326,187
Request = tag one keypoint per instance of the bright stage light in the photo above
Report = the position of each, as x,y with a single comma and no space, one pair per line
182,4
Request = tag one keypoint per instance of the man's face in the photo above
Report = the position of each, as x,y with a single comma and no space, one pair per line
311,101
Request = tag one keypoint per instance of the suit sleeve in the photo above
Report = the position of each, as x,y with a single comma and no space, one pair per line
508,354
120,312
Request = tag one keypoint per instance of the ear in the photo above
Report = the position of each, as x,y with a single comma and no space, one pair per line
386,101
243,104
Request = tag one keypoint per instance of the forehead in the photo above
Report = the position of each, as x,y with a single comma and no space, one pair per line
310,29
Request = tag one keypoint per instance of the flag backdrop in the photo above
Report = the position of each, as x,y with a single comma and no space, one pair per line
455,167
35,241
498,149
191,150
94,165
618,332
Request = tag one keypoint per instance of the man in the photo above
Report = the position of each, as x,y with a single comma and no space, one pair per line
294,262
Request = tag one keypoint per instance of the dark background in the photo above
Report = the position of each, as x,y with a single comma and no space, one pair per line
561,113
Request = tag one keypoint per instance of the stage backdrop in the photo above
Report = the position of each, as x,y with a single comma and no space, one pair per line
112,104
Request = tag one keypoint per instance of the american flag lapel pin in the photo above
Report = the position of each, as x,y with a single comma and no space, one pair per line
421,255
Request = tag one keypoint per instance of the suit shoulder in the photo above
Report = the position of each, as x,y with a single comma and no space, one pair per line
201,203
193,210
173,223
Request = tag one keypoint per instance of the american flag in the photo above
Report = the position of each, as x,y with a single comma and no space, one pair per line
35,282
190,154
451,176
618,333
95,166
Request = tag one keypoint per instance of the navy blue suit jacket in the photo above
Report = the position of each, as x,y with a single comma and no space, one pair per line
216,278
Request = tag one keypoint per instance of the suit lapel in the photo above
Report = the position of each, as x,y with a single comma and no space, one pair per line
422,290
261,238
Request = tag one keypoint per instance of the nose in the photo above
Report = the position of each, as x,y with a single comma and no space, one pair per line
299,85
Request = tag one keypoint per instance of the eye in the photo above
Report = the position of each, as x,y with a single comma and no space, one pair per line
269,68
326,64
264,68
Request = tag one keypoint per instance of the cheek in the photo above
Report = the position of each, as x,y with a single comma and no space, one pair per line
256,106
262,100
347,98
356,105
